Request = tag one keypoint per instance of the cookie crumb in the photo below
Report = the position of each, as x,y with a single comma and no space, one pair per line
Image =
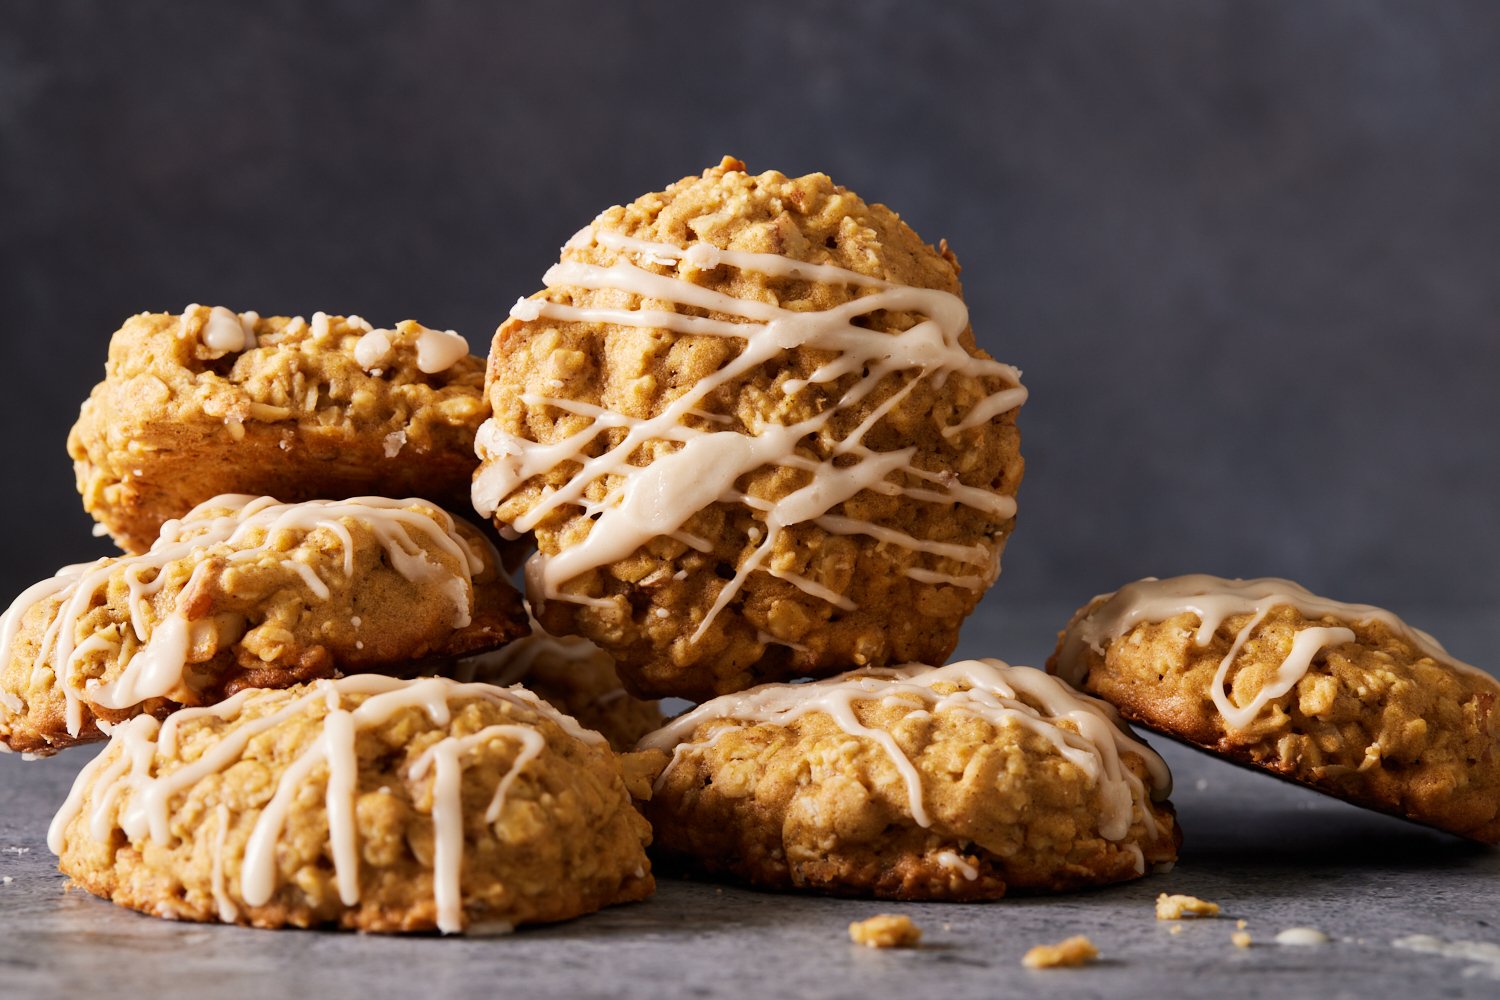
1178,907
1176,929
886,930
1241,924
1072,952
1241,939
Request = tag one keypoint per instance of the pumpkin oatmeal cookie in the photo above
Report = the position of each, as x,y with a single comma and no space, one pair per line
1344,698
749,427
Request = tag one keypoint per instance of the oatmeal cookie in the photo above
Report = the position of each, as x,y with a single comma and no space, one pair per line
963,782
1344,698
213,402
574,676
246,592
749,428
365,802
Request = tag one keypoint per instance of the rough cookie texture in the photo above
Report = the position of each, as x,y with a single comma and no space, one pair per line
1375,721
646,608
172,831
176,422
269,607
574,676
810,805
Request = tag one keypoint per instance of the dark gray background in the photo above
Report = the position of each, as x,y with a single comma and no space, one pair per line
1248,254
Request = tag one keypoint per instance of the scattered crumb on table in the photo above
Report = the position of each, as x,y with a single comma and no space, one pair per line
1176,929
886,930
1177,907
1241,939
1074,951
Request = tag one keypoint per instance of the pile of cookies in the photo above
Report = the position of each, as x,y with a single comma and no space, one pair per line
750,455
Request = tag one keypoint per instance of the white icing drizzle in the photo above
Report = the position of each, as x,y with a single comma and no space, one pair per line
157,665
1214,599
987,689
132,795
659,498
228,912
439,350
514,662
954,862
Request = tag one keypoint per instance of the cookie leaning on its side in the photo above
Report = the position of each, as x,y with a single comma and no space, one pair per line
1344,698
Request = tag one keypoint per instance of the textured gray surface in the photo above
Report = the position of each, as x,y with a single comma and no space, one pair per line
1245,252
1273,855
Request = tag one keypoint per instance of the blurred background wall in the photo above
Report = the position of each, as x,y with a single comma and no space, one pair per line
1247,253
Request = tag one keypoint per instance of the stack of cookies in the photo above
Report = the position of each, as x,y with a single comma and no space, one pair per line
751,456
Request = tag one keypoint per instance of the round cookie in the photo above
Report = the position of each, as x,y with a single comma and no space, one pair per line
963,782
214,402
246,592
574,676
1344,698
365,802
750,430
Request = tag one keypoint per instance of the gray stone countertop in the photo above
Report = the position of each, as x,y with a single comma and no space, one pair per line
1271,854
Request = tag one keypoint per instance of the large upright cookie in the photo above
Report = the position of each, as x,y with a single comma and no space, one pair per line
1345,698
213,402
366,802
961,782
750,430
246,592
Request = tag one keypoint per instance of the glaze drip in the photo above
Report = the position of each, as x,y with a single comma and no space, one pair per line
658,499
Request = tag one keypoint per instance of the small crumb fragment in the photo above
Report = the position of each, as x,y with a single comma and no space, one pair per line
886,930
7,880
1176,929
1178,907
1072,952
1241,939
1241,924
